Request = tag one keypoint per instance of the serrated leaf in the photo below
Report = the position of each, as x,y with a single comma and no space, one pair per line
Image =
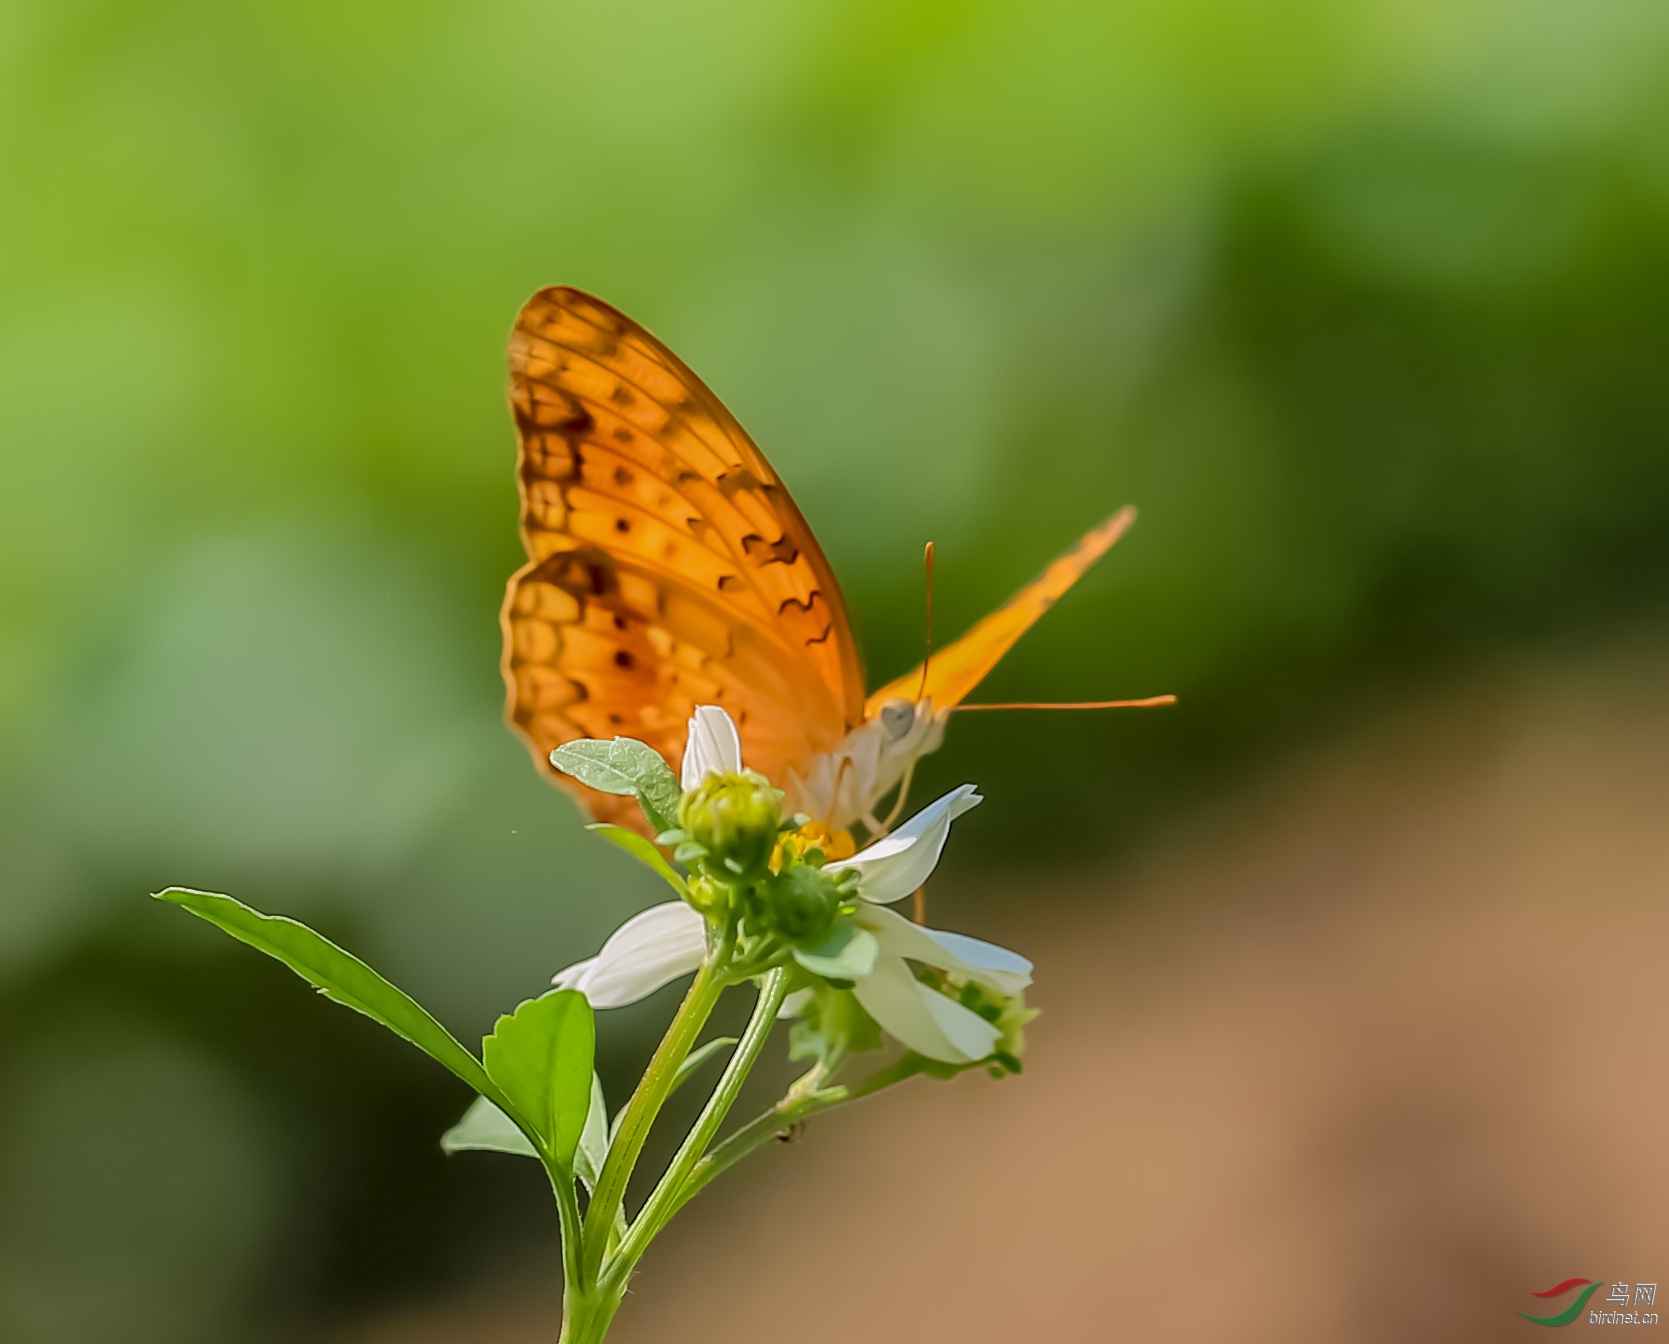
624,766
643,851
540,1057
486,1128
848,953
338,975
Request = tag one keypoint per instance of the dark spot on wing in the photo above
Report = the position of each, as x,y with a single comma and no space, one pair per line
577,425
762,552
733,482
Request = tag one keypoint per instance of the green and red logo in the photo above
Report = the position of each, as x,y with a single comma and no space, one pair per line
1571,1312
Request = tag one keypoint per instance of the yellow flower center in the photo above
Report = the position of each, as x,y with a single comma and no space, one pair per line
835,842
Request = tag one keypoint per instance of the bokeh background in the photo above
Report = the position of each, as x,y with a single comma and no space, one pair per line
1363,305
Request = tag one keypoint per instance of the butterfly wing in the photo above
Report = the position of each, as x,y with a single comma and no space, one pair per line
667,564
954,671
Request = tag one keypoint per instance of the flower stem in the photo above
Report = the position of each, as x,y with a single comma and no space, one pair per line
665,1200
568,1214
789,1111
645,1104
586,1317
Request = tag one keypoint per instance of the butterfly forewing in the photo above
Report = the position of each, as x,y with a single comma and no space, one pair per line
667,567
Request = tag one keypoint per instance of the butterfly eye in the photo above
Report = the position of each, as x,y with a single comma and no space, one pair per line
897,718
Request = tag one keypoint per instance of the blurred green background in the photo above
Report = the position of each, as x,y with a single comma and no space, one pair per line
1361,304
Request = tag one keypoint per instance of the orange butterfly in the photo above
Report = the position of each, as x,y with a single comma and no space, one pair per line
668,567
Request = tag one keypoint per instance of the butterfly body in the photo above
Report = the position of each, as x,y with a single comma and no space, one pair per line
669,567
846,784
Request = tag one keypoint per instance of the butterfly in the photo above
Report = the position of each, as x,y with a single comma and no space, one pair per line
668,567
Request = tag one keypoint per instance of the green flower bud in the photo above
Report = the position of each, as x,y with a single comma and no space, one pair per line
734,818
1006,1012
803,902
706,895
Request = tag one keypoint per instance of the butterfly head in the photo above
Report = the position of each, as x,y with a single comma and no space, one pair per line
898,718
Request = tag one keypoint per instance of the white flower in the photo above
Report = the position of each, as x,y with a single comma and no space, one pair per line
713,747
897,864
649,950
666,941
922,1018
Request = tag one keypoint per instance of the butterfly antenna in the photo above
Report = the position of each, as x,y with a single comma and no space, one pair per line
927,656
1150,702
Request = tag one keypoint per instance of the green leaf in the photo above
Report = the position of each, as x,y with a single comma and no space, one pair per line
540,1056
848,953
625,766
337,975
593,1149
699,1056
485,1128
641,850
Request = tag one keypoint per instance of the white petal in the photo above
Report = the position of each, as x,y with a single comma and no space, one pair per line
895,865
796,1003
1004,968
927,1022
647,951
713,747
570,977
1005,971
968,1031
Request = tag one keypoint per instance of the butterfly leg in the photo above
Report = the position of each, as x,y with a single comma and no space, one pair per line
903,796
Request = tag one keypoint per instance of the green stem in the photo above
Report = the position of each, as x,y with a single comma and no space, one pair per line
789,1111
568,1215
652,1092
664,1201
586,1317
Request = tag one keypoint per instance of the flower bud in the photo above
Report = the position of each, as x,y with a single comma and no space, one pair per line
1007,1012
734,818
803,902
706,895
